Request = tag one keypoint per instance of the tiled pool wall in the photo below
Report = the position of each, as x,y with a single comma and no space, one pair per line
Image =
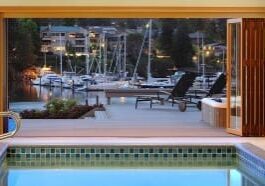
124,151
123,155
252,159
245,156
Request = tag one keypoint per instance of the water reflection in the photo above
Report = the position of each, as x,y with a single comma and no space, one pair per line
27,96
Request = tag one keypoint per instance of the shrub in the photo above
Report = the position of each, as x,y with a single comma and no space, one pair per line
59,105
57,110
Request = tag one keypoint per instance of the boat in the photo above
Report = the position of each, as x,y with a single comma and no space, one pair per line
69,80
205,81
46,77
158,83
150,82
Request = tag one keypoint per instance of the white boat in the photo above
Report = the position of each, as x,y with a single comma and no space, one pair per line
205,81
46,79
86,78
69,80
158,83
104,85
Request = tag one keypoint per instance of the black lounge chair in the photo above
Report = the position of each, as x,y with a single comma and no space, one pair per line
198,94
177,94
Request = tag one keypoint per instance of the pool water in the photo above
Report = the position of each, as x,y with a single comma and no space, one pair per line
114,172
124,177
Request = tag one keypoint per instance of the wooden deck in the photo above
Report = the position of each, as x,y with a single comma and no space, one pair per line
122,120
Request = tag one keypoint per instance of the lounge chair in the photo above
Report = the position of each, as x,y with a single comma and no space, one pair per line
177,94
194,96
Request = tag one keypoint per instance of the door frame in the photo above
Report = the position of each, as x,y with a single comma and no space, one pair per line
108,12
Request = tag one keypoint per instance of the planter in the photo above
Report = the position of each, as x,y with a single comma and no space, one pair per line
76,112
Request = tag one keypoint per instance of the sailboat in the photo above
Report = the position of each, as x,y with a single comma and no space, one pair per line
150,82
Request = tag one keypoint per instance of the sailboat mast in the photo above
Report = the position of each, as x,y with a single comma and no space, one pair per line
149,75
87,47
104,54
124,54
61,55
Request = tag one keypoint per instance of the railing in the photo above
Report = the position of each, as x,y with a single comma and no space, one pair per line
17,120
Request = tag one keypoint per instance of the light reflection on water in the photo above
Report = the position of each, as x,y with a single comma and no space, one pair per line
25,96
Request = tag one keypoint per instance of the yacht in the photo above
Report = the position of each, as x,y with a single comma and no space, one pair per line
46,77
69,80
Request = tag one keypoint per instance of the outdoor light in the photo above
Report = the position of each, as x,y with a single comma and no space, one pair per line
194,58
207,53
71,35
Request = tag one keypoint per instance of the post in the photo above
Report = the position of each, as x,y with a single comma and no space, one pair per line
73,86
97,100
45,59
40,81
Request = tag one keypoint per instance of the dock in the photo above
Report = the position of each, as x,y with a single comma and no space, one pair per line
131,92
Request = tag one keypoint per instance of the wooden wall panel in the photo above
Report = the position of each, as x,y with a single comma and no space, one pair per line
253,66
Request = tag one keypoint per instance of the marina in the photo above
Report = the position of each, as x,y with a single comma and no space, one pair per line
94,65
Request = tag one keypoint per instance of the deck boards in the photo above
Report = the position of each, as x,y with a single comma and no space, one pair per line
122,120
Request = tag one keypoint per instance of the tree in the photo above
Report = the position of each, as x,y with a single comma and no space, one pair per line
162,67
69,22
165,39
182,50
27,44
216,30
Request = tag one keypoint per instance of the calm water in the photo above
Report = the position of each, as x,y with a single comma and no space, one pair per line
25,96
125,177
115,172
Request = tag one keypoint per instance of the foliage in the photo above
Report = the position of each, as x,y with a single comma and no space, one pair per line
59,105
70,22
216,31
165,39
74,112
162,67
25,43
182,50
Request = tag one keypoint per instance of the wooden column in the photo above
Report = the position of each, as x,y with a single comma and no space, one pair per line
253,79
3,77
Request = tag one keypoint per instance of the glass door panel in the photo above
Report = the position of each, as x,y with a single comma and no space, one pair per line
234,71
